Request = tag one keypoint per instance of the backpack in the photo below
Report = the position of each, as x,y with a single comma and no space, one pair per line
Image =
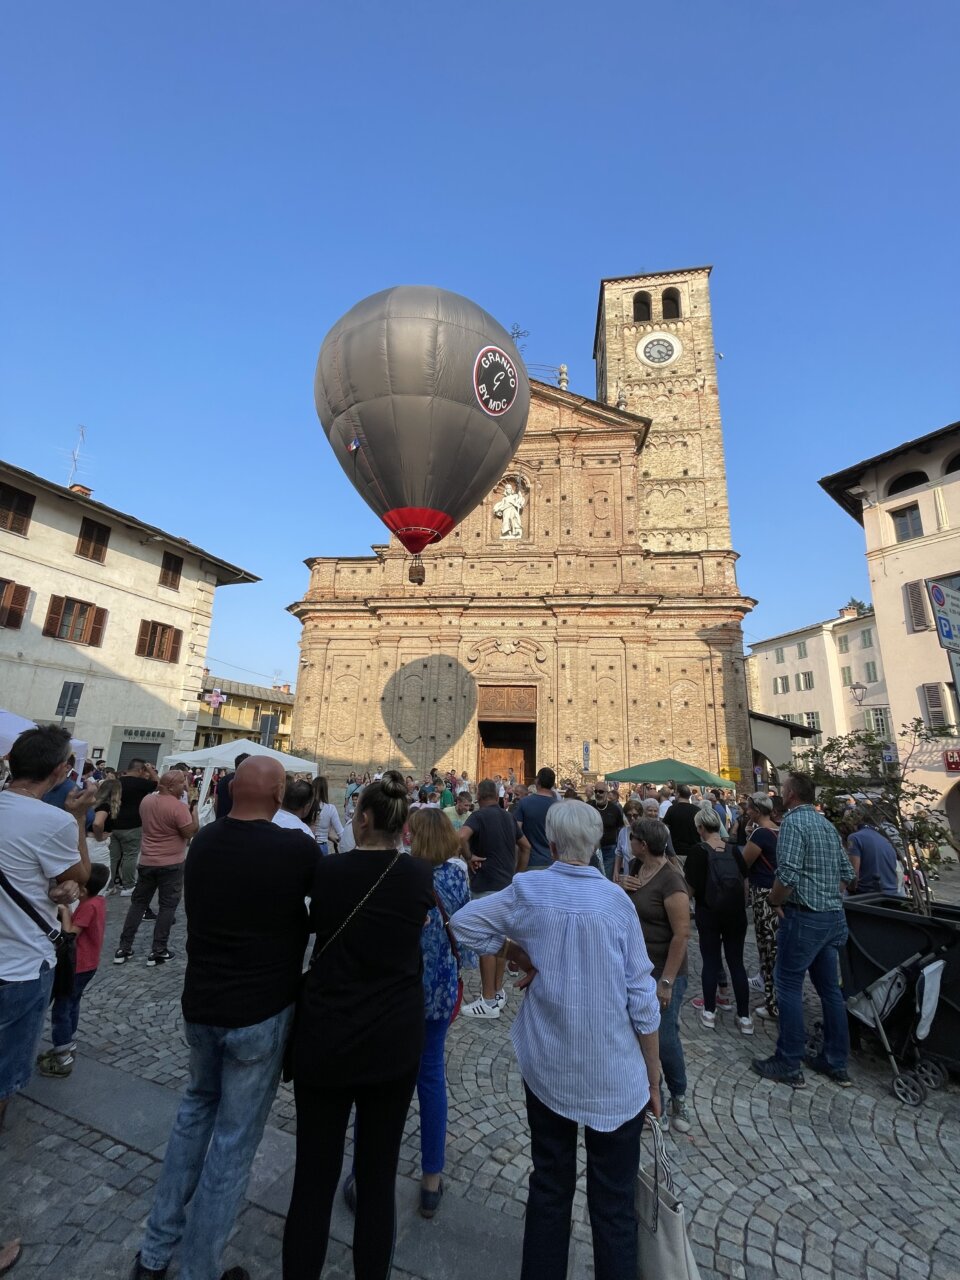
724,882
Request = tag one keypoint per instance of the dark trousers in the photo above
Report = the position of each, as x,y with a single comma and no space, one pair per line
727,933
65,1011
322,1119
168,883
612,1163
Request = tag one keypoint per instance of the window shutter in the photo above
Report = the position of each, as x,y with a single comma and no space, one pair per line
54,615
175,641
936,713
143,639
96,627
170,571
15,602
916,606
16,508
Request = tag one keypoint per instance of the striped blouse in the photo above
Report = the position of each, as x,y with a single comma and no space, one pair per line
575,1036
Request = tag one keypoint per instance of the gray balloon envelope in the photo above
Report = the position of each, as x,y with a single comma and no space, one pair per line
424,398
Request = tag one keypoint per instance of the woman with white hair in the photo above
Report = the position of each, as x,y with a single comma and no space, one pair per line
715,872
585,1038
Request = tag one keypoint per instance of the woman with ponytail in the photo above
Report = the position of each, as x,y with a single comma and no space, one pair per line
359,1034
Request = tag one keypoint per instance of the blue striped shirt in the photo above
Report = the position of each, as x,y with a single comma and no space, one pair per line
575,1036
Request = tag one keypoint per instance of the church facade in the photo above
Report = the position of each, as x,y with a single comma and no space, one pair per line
586,615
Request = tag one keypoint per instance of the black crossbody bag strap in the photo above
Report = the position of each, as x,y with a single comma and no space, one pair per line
52,932
366,897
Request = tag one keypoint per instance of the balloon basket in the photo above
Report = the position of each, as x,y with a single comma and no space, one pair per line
417,573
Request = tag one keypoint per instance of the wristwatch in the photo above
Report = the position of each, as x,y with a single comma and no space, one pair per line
666,982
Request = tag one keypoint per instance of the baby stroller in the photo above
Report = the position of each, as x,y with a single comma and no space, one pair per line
901,979
875,1006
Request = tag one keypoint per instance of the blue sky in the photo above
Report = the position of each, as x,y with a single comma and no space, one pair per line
193,193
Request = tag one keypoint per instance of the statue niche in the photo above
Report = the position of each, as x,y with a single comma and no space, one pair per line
509,507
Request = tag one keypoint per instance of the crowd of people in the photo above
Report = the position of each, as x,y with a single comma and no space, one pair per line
590,897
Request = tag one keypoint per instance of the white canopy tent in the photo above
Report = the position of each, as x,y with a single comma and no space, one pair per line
12,725
222,757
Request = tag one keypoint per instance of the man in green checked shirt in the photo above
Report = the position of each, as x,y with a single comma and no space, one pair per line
812,869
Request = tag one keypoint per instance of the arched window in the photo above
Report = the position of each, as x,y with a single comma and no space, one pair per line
641,306
952,466
909,480
671,304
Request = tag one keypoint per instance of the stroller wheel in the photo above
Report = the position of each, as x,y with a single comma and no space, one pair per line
908,1088
930,1073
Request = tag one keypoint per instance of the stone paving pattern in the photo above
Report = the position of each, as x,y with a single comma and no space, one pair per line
804,1185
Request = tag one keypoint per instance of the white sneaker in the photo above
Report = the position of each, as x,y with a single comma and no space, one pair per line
746,1026
479,1008
708,1019
756,982
126,893
679,1115
764,1014
500,999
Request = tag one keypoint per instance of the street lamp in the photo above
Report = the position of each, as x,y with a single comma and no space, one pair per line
858,692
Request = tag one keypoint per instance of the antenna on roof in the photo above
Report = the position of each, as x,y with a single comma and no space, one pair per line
75,456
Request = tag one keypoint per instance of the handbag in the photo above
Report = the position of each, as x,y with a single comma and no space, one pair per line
65,944
663,1249
286,1071
451,938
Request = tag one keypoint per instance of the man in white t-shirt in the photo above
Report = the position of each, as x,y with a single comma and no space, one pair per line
297,802
39,843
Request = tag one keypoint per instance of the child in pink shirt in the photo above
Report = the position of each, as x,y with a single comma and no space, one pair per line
88,923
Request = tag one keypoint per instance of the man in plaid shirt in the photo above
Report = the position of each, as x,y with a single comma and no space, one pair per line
812,869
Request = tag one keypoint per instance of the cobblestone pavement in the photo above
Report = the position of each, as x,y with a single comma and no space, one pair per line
803,1185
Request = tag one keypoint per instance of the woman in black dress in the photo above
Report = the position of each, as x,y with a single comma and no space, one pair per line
359,1034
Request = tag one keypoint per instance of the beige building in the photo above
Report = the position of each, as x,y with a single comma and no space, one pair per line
604,630
230,710
828,677
908,502
104,619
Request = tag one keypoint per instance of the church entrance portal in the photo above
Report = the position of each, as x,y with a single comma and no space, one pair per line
507,731
504,745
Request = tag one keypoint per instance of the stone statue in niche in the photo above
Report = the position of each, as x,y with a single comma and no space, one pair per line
509,510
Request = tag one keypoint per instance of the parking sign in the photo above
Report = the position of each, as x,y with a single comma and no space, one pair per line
945,602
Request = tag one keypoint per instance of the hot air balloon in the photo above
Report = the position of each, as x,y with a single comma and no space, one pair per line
424,399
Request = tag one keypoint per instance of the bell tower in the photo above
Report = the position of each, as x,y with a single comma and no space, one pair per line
655,356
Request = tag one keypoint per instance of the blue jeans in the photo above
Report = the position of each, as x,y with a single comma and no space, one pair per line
671,1050
22,1009
234,1074
811,941
608,852
432,1092
65,1012
612,1163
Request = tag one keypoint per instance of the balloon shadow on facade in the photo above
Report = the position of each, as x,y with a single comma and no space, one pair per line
427,707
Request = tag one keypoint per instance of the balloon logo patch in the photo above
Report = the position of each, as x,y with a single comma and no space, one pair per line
495,381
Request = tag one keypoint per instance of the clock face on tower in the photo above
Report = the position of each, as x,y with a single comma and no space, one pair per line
659,349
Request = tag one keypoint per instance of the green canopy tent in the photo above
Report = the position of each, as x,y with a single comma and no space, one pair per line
668,771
